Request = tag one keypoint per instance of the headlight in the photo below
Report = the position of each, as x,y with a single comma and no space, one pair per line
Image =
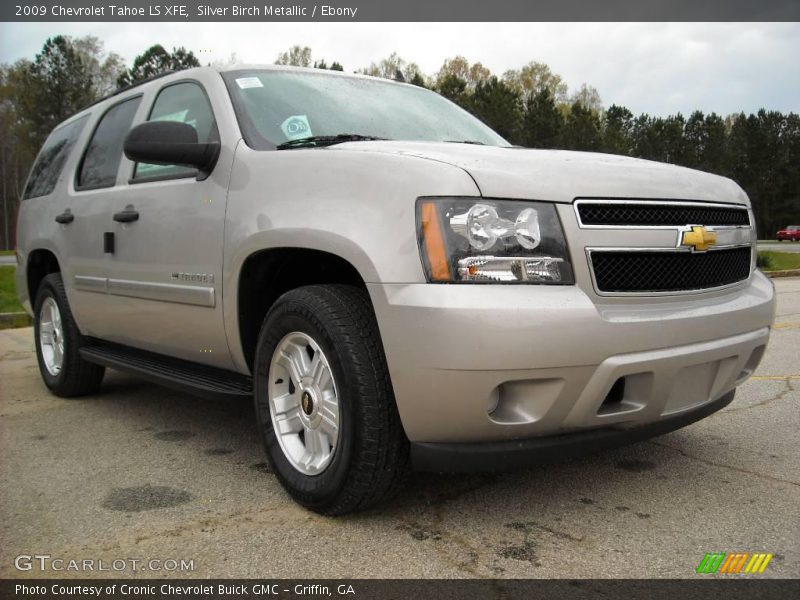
492,241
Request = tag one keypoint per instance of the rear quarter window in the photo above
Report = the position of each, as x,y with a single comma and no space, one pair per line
50,162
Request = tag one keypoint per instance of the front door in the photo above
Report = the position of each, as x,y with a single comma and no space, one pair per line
165,272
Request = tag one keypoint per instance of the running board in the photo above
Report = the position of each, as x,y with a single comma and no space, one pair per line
201,380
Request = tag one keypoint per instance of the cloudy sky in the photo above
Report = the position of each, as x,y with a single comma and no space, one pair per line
658,68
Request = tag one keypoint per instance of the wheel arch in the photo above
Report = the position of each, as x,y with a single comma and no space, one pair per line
267,274
39,264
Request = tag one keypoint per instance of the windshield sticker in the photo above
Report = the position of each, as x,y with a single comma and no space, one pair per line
249,82
296,127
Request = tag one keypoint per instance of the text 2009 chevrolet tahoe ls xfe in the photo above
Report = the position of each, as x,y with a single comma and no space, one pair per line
393,282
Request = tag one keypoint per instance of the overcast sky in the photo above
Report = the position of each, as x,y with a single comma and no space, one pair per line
658,68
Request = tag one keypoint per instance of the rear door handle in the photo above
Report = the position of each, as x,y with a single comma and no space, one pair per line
66,217
129,215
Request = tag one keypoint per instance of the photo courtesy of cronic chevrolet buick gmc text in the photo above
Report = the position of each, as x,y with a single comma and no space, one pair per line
395,285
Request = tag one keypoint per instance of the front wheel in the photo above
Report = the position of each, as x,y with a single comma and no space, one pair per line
58,342
324,401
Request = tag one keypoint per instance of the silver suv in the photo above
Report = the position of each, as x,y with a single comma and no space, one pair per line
393,283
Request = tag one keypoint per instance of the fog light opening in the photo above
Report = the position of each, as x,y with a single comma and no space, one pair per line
613,400
494,400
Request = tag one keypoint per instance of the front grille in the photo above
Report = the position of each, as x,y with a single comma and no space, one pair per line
648,271
652,214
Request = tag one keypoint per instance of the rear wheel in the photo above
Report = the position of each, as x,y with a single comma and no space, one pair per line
58,342
324,401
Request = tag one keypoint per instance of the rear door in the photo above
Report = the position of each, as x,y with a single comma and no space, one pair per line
165,274
89,199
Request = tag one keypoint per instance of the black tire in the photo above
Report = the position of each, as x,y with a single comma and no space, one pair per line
77,377
370,461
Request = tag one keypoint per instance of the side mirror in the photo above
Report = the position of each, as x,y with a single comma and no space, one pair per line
170,143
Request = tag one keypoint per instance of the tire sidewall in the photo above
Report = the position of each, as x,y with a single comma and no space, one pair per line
48,290
310,490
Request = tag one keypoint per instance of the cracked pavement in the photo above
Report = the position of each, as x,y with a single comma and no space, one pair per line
143,472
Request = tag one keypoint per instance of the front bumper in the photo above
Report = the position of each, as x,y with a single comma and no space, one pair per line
466,457
493,363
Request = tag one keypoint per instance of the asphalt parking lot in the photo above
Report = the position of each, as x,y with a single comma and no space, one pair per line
140,472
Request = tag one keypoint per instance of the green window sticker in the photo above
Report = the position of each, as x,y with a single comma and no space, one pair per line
296,127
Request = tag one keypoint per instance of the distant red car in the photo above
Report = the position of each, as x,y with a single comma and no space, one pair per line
791,233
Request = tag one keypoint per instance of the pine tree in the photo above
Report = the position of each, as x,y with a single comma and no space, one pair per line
543,123
499,106
582,129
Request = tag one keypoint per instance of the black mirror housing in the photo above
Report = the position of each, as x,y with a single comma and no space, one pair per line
170,143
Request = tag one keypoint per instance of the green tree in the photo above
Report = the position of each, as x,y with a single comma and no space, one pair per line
673,144
759,160
582,129
695,134
706,142
418,80
454,88
543,123
55,85
617,130
321,64
787,209
155,61
644,138
499,106
16,152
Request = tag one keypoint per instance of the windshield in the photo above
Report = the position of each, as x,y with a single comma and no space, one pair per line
274,107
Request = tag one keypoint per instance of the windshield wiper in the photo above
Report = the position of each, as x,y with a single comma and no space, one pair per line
465,142
327,140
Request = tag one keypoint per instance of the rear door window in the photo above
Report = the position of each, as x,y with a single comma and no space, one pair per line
104,152
184,102
50,162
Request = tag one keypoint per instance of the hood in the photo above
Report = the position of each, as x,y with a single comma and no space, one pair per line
562,176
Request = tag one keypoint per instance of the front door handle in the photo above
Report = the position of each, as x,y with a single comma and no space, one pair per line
129,215
66,217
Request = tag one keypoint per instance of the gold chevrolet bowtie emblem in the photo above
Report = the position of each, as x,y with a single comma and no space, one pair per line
699,238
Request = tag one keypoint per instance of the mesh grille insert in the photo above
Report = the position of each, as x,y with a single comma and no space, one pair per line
617,271
654,214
